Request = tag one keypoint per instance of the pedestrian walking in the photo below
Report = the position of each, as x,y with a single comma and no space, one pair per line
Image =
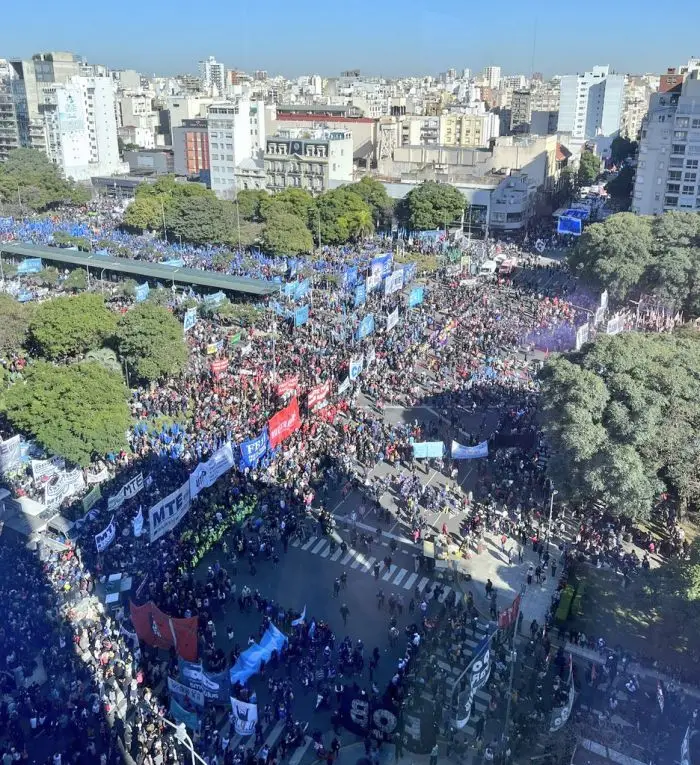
554,568
530,572
344,612
434,752
336,587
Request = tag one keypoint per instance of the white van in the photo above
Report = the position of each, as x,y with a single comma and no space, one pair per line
488,268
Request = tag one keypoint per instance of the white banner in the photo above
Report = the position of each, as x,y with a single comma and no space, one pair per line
44,468
392,319
127,491
374,279
183,691
393,282
10,454
344,386
164,516
245,715
105,538
206,473
62,485
103,475
137,523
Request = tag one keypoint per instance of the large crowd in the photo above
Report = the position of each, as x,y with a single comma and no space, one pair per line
466,346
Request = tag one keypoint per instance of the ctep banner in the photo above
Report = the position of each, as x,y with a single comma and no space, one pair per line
284,423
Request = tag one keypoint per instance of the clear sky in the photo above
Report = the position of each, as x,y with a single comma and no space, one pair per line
387,37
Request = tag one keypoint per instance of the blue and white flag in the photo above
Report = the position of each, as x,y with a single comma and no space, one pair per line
385,262
350,277
415,297
301,289
137,522
360,295
460,452
393,282
142,292
301,316
409,273
301,619
366,326
105,538
356,366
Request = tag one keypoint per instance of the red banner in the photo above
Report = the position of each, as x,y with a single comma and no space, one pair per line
509,615
219,366
284,423
318,395
160,631
288,385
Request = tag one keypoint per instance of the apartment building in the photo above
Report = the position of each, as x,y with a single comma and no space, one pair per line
668,165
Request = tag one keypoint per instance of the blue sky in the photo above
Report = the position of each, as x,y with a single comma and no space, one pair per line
385,37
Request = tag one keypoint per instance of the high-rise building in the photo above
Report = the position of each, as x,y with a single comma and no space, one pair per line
668,165
213,74
236,132
590,104
191,147
520,111
492,76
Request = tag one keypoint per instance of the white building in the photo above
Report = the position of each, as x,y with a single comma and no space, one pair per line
492,76
236,132
669,152
213,74
590,105
82,130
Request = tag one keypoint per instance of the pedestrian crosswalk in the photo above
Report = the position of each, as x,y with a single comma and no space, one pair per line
394,575
272,735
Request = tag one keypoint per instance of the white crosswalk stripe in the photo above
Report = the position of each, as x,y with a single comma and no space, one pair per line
337,554
347,557
389,573
325,553
359,559
444,595
308,544
369,564
409,582
399,577
273,734
422,583
298,755
320,544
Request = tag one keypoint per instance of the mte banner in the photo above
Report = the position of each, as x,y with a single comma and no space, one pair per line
164,516
284,423
459,452
129,490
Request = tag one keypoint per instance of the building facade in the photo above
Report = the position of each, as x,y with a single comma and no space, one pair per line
191,148
316,164
668,165
520,111
590,104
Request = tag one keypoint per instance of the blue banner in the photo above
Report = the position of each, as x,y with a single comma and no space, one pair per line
30,266
142,292
190,318
460,452
301,316
570,226
385,261
214,686
366,326
253,450
360,295
356,366
289,289
301,289
350,277
415,297
173,262
181,715
215,299
409,273
428,450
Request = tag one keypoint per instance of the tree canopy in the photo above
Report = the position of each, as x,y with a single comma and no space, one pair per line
285,233
249,201
621,149
14,323
431,206
78,411
67,326
621,186
297,202
622,417
630,255
152,342
344,215
374,193
28,178
588,169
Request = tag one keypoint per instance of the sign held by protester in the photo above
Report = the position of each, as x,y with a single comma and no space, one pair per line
129,490
105,538
460,452
190,318
478,675
254,449
245,716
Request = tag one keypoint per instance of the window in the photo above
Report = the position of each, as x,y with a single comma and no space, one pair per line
678,148
671,201
680,135
690,177
229,157
696,123
674,175
673,187
682,122
691,164
689,189
215,156
675,162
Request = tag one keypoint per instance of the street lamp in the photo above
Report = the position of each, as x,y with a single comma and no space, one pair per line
182,737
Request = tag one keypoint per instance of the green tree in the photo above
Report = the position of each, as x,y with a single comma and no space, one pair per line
588,169
76,281
249,201
622,428
621,186
14,323
298,202
78,411
200,220
29,178
621,149
152,342
153,202
284,233
615,254
374,193
343,215
68,326
431,206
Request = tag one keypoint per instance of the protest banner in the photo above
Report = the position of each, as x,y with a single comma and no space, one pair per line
129,490
166,514
284,423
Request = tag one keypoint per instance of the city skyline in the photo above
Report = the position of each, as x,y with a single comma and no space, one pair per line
282,41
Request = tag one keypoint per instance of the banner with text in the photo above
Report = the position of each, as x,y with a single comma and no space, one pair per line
318,396
254,449
245,716
284,423
105,538
393,282
459,452
478,675
428,450
127,491
166,514
206,473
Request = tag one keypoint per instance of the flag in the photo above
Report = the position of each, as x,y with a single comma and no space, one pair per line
301,619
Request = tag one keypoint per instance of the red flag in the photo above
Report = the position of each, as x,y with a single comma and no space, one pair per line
284,423
219,366
151,625
185,631
287,385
